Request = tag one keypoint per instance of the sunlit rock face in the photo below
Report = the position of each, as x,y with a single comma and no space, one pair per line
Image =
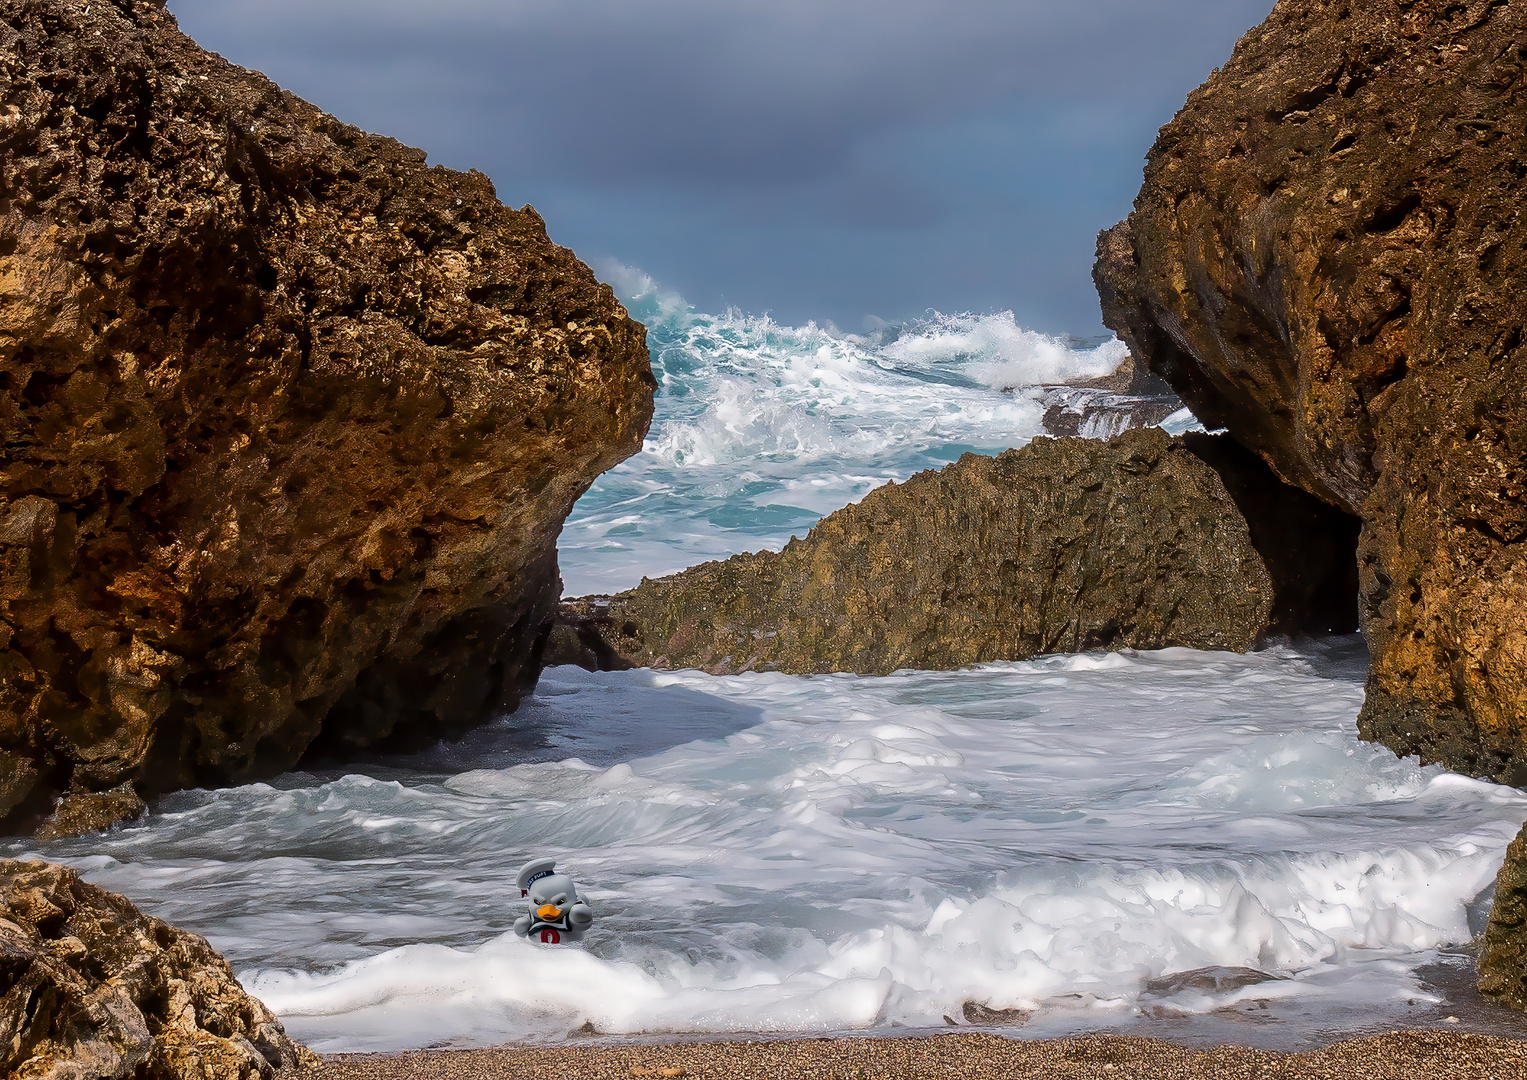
1327,258
291,421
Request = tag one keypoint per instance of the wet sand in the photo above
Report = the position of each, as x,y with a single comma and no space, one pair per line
1409,1055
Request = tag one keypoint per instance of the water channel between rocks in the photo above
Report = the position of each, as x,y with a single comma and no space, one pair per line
1183,844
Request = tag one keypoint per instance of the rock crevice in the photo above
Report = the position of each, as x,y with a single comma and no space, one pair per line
1327,258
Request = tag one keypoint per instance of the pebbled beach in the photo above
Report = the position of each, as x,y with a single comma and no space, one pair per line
1434,1055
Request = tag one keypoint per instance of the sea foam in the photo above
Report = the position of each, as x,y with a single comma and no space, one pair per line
1065,837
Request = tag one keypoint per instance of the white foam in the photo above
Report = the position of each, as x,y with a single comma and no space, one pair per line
1181,422
836,853
768,852
998,352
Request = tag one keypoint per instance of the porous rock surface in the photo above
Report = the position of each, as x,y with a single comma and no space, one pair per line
1503,948
90,988
1064,545
291,421
1328,258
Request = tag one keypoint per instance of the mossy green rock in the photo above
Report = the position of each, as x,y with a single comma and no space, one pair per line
1065,545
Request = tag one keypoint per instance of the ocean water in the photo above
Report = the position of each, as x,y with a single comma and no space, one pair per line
761,428
1177,843
838,853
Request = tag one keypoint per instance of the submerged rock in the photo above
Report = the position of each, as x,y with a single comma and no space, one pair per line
1327,258
1130,396
1217,979
1064,545
1101,414
90,987
976,1012
292,421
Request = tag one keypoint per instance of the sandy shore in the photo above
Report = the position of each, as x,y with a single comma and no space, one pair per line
1412,1055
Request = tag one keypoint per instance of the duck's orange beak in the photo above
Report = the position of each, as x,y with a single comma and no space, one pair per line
548,911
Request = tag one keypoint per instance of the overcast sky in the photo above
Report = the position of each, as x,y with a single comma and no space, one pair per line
826,159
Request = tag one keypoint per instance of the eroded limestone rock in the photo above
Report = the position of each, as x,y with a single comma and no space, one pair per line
90,988
1065,545
1328,257
81,812
291,420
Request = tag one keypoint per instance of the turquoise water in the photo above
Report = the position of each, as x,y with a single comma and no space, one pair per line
761,428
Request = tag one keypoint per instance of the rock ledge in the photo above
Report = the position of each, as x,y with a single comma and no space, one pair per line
1065,545
1327,258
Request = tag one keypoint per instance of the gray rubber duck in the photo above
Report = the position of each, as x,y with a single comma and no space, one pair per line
556,914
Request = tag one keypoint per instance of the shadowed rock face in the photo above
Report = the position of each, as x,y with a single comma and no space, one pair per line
1065,545
92,987
291,420
1503,951
1328,258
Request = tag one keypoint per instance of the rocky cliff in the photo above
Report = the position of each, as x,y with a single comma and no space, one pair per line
92,988
1327,258
1064,545
291,422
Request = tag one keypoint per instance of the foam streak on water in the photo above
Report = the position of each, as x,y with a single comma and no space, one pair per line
761,428
834,853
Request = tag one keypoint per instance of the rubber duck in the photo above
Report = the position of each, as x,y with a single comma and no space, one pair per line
556,914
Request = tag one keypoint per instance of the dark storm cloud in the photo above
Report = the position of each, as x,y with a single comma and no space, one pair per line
705,92
723,118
